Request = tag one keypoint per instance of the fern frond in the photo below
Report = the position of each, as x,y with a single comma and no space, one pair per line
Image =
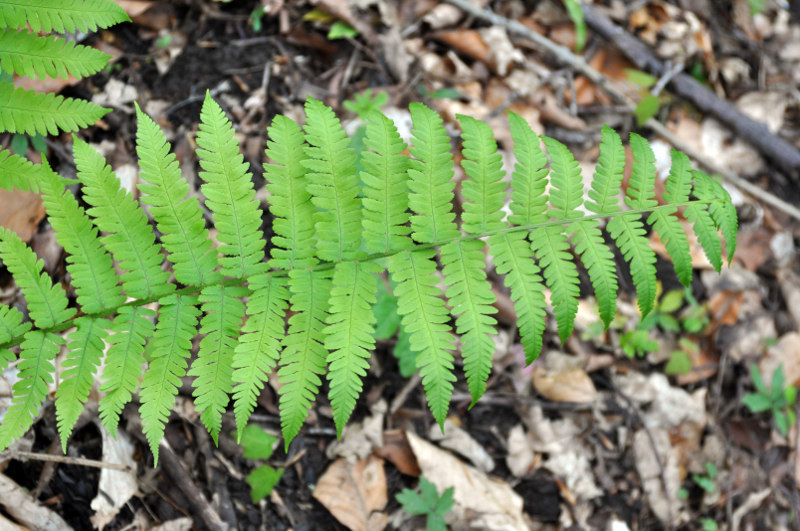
258,349
177,216
31,112
128,234
304,355
513,258
529,178
11,326
124,359
349,334
169,350
629,232
85,352
550,243
332,183
214,364
36,369
18,173
34,56
47,304
88,263
468,292
430,178
589,243
722,210
229,194
425,317
62,16
385,187
290,201
665,221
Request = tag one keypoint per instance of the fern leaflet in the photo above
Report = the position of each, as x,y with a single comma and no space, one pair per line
11,326
62,16
31,112
33,56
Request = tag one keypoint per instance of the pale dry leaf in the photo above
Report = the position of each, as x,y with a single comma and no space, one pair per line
520,458
117,94
502,53
21,212
654,454
785,353
458,440
563,379
480,502
355,493
360,438
134,8
178,524
116,486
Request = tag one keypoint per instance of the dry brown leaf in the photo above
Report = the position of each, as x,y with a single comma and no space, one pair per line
355,493
481,502
564,383
397,451
458,440
786,353
468,42
21,212
134,8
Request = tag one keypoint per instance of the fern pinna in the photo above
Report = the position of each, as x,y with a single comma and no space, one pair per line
336,231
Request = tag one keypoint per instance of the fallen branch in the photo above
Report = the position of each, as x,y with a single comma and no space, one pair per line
565,56
778,151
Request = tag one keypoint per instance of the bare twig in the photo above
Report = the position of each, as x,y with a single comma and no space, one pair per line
65,459
21,505
564,55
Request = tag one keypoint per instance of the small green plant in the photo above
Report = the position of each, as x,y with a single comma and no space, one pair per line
365,103
649,103
693,319
680,360
575,13
255,18
342,30
708,483
428,502
778,399
258,444
756,6
637,342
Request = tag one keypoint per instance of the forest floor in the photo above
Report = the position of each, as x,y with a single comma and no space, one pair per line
643,426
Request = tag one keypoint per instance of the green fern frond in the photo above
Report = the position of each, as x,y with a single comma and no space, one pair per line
424,318
18,173
430,178
721,209
62,16
47,304
214,364
229,194
88,263
85,352
304,355
11,326
290,201
259,345
628,230
349,334
666,222
332,183
177,216
36,369
128,234
589,243
31,112
550,243
385,187
30,55
124,359
169,350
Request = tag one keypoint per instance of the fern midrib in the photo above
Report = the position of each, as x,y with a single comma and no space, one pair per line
234,211
98,291
323,266
33,5
336,194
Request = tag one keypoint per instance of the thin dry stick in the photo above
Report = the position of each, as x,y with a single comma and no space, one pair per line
66,459
564,55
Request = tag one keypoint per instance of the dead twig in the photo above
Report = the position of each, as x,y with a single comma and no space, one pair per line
65,459
564,55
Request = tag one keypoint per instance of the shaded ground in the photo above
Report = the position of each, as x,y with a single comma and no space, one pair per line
587,436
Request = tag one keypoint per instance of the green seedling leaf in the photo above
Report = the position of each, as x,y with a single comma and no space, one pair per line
646,109
671,301
757,403
262,480
679,363
639,78
575,13
257,443
341,30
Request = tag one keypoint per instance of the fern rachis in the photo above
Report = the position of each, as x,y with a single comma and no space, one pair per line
334,232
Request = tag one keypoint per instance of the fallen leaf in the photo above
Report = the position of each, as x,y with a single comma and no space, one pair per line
397,451
562,379
481,502
21,212
360,438
116,486
458,440
786,353
657,463
134,7
354,493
